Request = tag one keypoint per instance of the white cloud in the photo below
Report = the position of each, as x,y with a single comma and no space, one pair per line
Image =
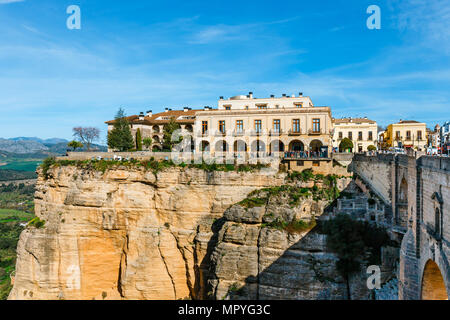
426,21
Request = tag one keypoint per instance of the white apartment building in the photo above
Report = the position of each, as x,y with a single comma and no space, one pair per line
361,131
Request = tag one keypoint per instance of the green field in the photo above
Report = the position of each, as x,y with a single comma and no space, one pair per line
10,215
21,165
16,207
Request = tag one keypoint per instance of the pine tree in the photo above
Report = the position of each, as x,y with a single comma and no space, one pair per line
120,137
138,140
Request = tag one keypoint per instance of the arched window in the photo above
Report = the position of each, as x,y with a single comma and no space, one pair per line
437,223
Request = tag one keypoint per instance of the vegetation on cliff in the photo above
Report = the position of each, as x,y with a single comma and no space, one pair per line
355,242
154,165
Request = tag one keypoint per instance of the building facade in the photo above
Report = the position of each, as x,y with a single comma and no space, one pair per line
270,125
152,125
445,137
406,134
361,131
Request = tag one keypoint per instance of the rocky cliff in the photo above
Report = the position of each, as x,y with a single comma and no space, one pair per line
126,233
273,249
177,233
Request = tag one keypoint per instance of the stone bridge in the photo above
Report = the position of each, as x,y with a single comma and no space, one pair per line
416,193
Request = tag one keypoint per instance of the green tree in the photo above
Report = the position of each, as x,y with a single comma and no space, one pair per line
371,148
120,138
147,142
346,144
351,239
138,140
168,131
75,145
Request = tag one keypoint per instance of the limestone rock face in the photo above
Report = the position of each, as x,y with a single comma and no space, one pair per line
131,234
254,260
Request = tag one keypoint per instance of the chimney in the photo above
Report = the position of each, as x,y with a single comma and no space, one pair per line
293,96
167,109
141,116
300,94
221,98
250,95
185,109
149,113
272,96
284,95
206,108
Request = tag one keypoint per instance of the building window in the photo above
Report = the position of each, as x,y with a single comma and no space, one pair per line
222,126
419,135
360,135
258,125
228,108
370,136
239,126
408,135
296,125
262,106
340,134
204,127
397,135
276,125
316,125
246,107
299,105
350,135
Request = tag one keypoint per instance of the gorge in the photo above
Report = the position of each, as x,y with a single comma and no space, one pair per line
181,232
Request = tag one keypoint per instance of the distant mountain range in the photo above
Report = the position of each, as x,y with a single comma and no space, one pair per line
42,141
36,146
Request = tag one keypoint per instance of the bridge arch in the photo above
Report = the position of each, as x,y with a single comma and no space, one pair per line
433,285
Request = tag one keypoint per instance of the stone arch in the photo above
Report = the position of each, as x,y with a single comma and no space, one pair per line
221,146
189,128
276,146
296,145
156,139
239,146
155,129
204,146
315,145
258,146
156,148
433,285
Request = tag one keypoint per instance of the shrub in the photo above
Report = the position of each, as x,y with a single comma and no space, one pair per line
36,222
294,226
350,239
253,202
46,164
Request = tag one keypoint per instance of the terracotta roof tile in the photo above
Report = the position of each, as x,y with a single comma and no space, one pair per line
134,119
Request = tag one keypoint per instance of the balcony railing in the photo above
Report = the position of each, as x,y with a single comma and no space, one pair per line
292,132
202,134
219,133
276,132
314,132
238,133
305,155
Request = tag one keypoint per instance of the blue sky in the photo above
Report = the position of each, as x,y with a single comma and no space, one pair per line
143,55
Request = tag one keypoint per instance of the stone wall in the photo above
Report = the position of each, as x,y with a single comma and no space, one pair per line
418,193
